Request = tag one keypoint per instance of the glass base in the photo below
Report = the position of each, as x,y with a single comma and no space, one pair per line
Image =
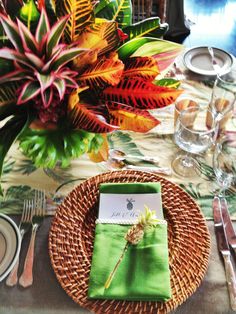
183,165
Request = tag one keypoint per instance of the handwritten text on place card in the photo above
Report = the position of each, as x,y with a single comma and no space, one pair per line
128,206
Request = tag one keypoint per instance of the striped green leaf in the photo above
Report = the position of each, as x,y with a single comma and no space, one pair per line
55,34
28,40
163,51
29,91
65,57
11,31
116,10
142,28
43,26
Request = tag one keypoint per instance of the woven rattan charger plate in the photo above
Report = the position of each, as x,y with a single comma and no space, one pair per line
72,234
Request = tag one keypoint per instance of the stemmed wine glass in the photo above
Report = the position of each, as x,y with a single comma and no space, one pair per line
223,99
194,136
224,164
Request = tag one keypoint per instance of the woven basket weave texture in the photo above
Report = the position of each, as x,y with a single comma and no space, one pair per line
72,234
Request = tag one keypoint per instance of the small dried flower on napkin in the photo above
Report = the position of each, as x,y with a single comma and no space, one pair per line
134,236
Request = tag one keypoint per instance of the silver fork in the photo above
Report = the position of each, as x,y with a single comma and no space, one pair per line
26,279
25,224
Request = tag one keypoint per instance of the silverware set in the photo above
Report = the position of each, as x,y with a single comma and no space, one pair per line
32,217
118,160
224,165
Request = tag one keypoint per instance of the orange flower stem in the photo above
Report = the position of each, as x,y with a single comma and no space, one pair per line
112,274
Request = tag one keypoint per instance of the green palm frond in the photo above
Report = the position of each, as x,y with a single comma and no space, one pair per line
26,167
124,142
46,148
14,196
192,190
8,166
80,15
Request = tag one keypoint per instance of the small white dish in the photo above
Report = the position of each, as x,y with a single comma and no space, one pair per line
10,240
198,60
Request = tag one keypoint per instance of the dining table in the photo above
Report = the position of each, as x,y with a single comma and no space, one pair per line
21,178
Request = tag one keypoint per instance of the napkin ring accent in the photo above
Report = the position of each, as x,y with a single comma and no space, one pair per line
125,222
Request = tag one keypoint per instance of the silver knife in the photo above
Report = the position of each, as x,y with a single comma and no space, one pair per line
223,247
229,229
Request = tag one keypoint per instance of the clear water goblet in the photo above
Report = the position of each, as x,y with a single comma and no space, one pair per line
193,136
223,99
224,164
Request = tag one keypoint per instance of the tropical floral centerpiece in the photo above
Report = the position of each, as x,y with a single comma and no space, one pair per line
73,71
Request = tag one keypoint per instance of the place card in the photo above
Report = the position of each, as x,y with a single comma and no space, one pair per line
121,208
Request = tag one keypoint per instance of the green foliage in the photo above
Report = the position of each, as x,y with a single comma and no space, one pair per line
159,31
118,10
12,201
8,166
45,67
172,83
12,7
26,167
123,141
8,99
142,28
51,10
46,148
9,133
5,66
29,12
127,49
121,12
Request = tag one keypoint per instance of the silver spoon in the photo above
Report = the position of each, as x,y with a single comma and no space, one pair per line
120,155
114,164
215,65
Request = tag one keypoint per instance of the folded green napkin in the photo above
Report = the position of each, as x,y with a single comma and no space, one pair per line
132,188
143,273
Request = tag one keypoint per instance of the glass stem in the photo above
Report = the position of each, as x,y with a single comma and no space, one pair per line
217,128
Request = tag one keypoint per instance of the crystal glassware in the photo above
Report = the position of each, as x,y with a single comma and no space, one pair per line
224,164
193,136
223,99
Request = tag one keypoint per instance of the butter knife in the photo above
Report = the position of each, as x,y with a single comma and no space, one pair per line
229,229
223,247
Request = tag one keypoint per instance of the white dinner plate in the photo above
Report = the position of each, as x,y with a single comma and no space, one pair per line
198,60
9,245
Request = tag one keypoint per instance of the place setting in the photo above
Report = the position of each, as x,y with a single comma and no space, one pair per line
179,209
117,165
100,207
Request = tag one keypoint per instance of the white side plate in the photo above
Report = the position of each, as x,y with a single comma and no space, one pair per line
198,60
9,245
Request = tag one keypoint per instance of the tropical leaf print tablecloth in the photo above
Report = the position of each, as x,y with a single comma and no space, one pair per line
20,177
